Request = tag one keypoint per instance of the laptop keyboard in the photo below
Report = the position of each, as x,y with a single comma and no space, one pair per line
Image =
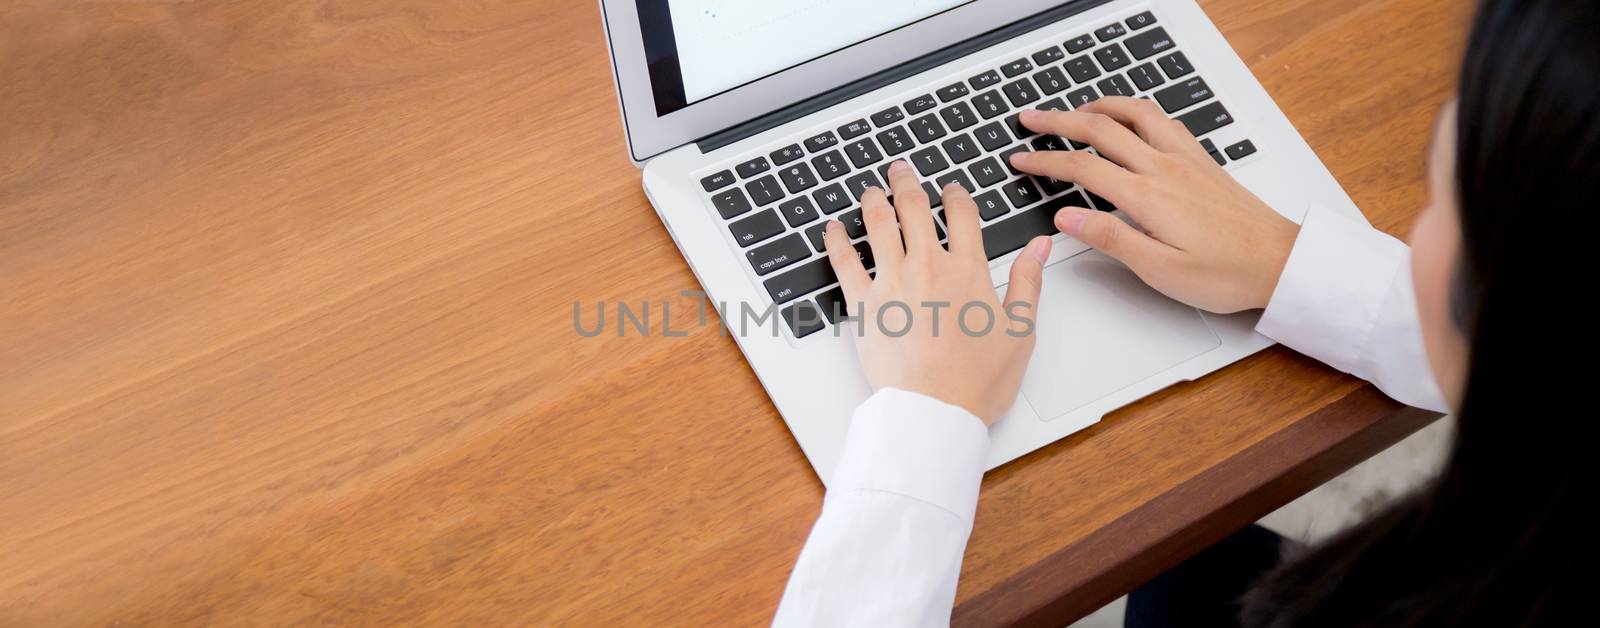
776,204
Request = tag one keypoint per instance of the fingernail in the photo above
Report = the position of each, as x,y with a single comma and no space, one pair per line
1071,219
834,225
1017,159
899,165
1029,113
1039,248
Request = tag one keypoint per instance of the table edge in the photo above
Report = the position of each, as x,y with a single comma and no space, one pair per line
1080,578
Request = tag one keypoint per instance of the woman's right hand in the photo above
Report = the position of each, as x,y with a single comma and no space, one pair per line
1206,240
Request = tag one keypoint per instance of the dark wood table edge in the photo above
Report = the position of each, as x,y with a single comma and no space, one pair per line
1115,559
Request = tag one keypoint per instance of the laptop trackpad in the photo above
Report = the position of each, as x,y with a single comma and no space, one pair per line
1100,330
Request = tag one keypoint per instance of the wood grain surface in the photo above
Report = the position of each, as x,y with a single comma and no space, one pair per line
286,299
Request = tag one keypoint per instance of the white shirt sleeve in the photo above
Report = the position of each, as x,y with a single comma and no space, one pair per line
1345,298
886,550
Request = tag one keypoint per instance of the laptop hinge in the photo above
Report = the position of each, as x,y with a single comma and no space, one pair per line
874,81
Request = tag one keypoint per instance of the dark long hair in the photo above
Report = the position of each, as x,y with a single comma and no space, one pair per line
1495,539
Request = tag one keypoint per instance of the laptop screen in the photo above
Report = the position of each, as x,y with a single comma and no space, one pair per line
697,49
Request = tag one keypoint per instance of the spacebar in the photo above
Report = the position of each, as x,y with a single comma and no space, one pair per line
1014,233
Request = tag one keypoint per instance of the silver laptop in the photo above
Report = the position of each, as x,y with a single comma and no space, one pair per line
756,121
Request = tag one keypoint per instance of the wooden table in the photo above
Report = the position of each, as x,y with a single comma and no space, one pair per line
286,295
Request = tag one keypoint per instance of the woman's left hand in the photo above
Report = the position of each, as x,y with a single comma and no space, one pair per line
960,344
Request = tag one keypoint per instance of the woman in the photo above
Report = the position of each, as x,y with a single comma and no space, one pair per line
1512,168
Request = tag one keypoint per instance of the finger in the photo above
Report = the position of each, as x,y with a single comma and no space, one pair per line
1027,275
961,216
1087,169
911,206
846,262
1108,136
883,230
1146,118
1109,235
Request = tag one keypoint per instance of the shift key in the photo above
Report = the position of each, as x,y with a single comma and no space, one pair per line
765,259
1206,119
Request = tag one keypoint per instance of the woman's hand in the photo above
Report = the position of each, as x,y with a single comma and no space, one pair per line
1206,241
931,321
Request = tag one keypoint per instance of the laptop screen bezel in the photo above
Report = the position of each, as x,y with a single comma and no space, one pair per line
650,134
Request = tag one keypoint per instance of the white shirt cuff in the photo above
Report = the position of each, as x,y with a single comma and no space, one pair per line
1346,299
916,446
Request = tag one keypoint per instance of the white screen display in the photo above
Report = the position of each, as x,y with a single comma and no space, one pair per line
723,44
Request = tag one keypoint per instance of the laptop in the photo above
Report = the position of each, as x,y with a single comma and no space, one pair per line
756,121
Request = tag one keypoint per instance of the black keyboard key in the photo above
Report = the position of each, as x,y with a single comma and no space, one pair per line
1051,80
1141,20
1242,150
854,129
1217,157
1081,97
1112,57
991,205
985,80
927,129
815,235
753,167
1021,193
1082,69
958,116
1014,233
1048,56
1115,85
1049,142
1014,122
896,140
804,318
1110,32
731,203
1011,70
934,195
748,231
781,253
955,176
929,161
990,104
798,178
920,104
855,226
951,92
1005,157
1206,119
1054,104
1184,94
987,172
1021,92
1146,77
798,211
961,149
764,191
1075,199
1210,146
830,165
821,141
1079,44
863,153
1100,203
992,136
1149,43
1052,186
860,181
887,117
833,306
787,154
803,280
1175,65
831,198
717,181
